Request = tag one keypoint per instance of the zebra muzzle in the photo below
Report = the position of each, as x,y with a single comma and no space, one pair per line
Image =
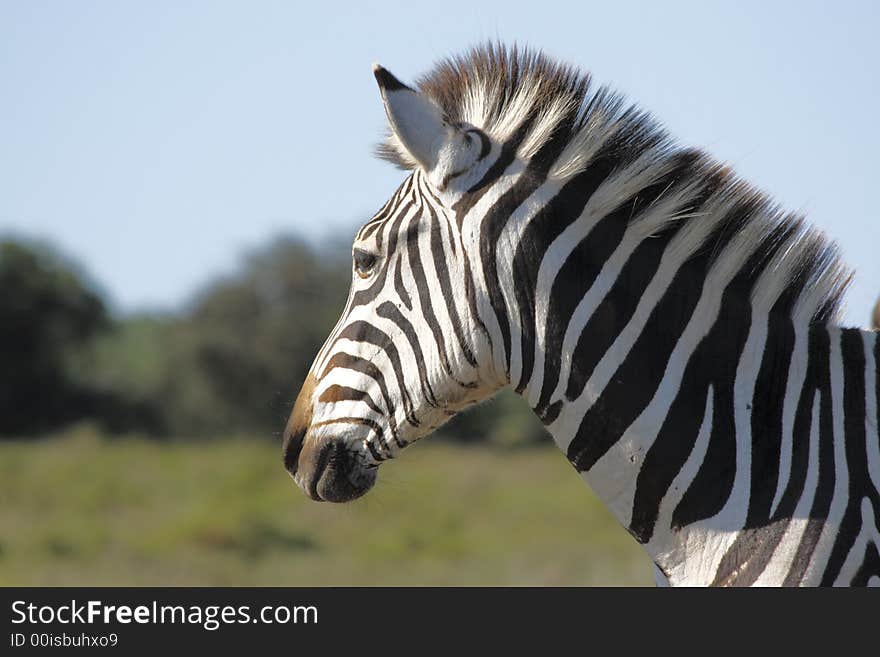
324,468
327,472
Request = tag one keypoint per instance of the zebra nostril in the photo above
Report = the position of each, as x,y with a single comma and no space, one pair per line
293,443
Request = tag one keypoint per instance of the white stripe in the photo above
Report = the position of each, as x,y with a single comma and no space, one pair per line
797,373
735,509
855,557
781,562
840,496
662,537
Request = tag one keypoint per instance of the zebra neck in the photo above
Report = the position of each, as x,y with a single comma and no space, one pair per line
733,461
688,407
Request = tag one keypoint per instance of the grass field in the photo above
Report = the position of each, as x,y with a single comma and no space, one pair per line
82,509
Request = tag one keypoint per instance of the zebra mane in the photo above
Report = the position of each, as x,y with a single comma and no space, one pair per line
503,90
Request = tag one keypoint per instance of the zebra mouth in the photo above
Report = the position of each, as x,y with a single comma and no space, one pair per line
337,477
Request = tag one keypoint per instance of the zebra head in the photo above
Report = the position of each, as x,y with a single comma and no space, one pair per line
405,354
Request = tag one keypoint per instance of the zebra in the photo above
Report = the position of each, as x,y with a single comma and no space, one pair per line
676,331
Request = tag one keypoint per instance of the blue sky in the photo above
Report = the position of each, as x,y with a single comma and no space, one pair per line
156,141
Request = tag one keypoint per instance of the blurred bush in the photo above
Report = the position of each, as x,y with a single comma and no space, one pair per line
230,362
46,313
244,347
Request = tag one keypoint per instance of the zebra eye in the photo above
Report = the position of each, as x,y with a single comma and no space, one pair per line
363,262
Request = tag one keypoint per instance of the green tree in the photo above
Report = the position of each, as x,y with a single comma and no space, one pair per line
47,311
240,353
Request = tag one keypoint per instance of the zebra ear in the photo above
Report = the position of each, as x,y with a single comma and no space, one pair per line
416,122
420,134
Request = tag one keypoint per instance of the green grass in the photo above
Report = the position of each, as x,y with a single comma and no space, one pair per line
83,510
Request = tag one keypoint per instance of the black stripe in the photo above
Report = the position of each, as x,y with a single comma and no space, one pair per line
749,554
485,147
485,143
389,311
870,566
606,323
711,487
505,158
376,454
800,449
399,287
673,445
388,209
852,351
347,361
470,290
364,332
425,190
819,361
451,235
441,270
768,404
336,393
751,551
369,229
